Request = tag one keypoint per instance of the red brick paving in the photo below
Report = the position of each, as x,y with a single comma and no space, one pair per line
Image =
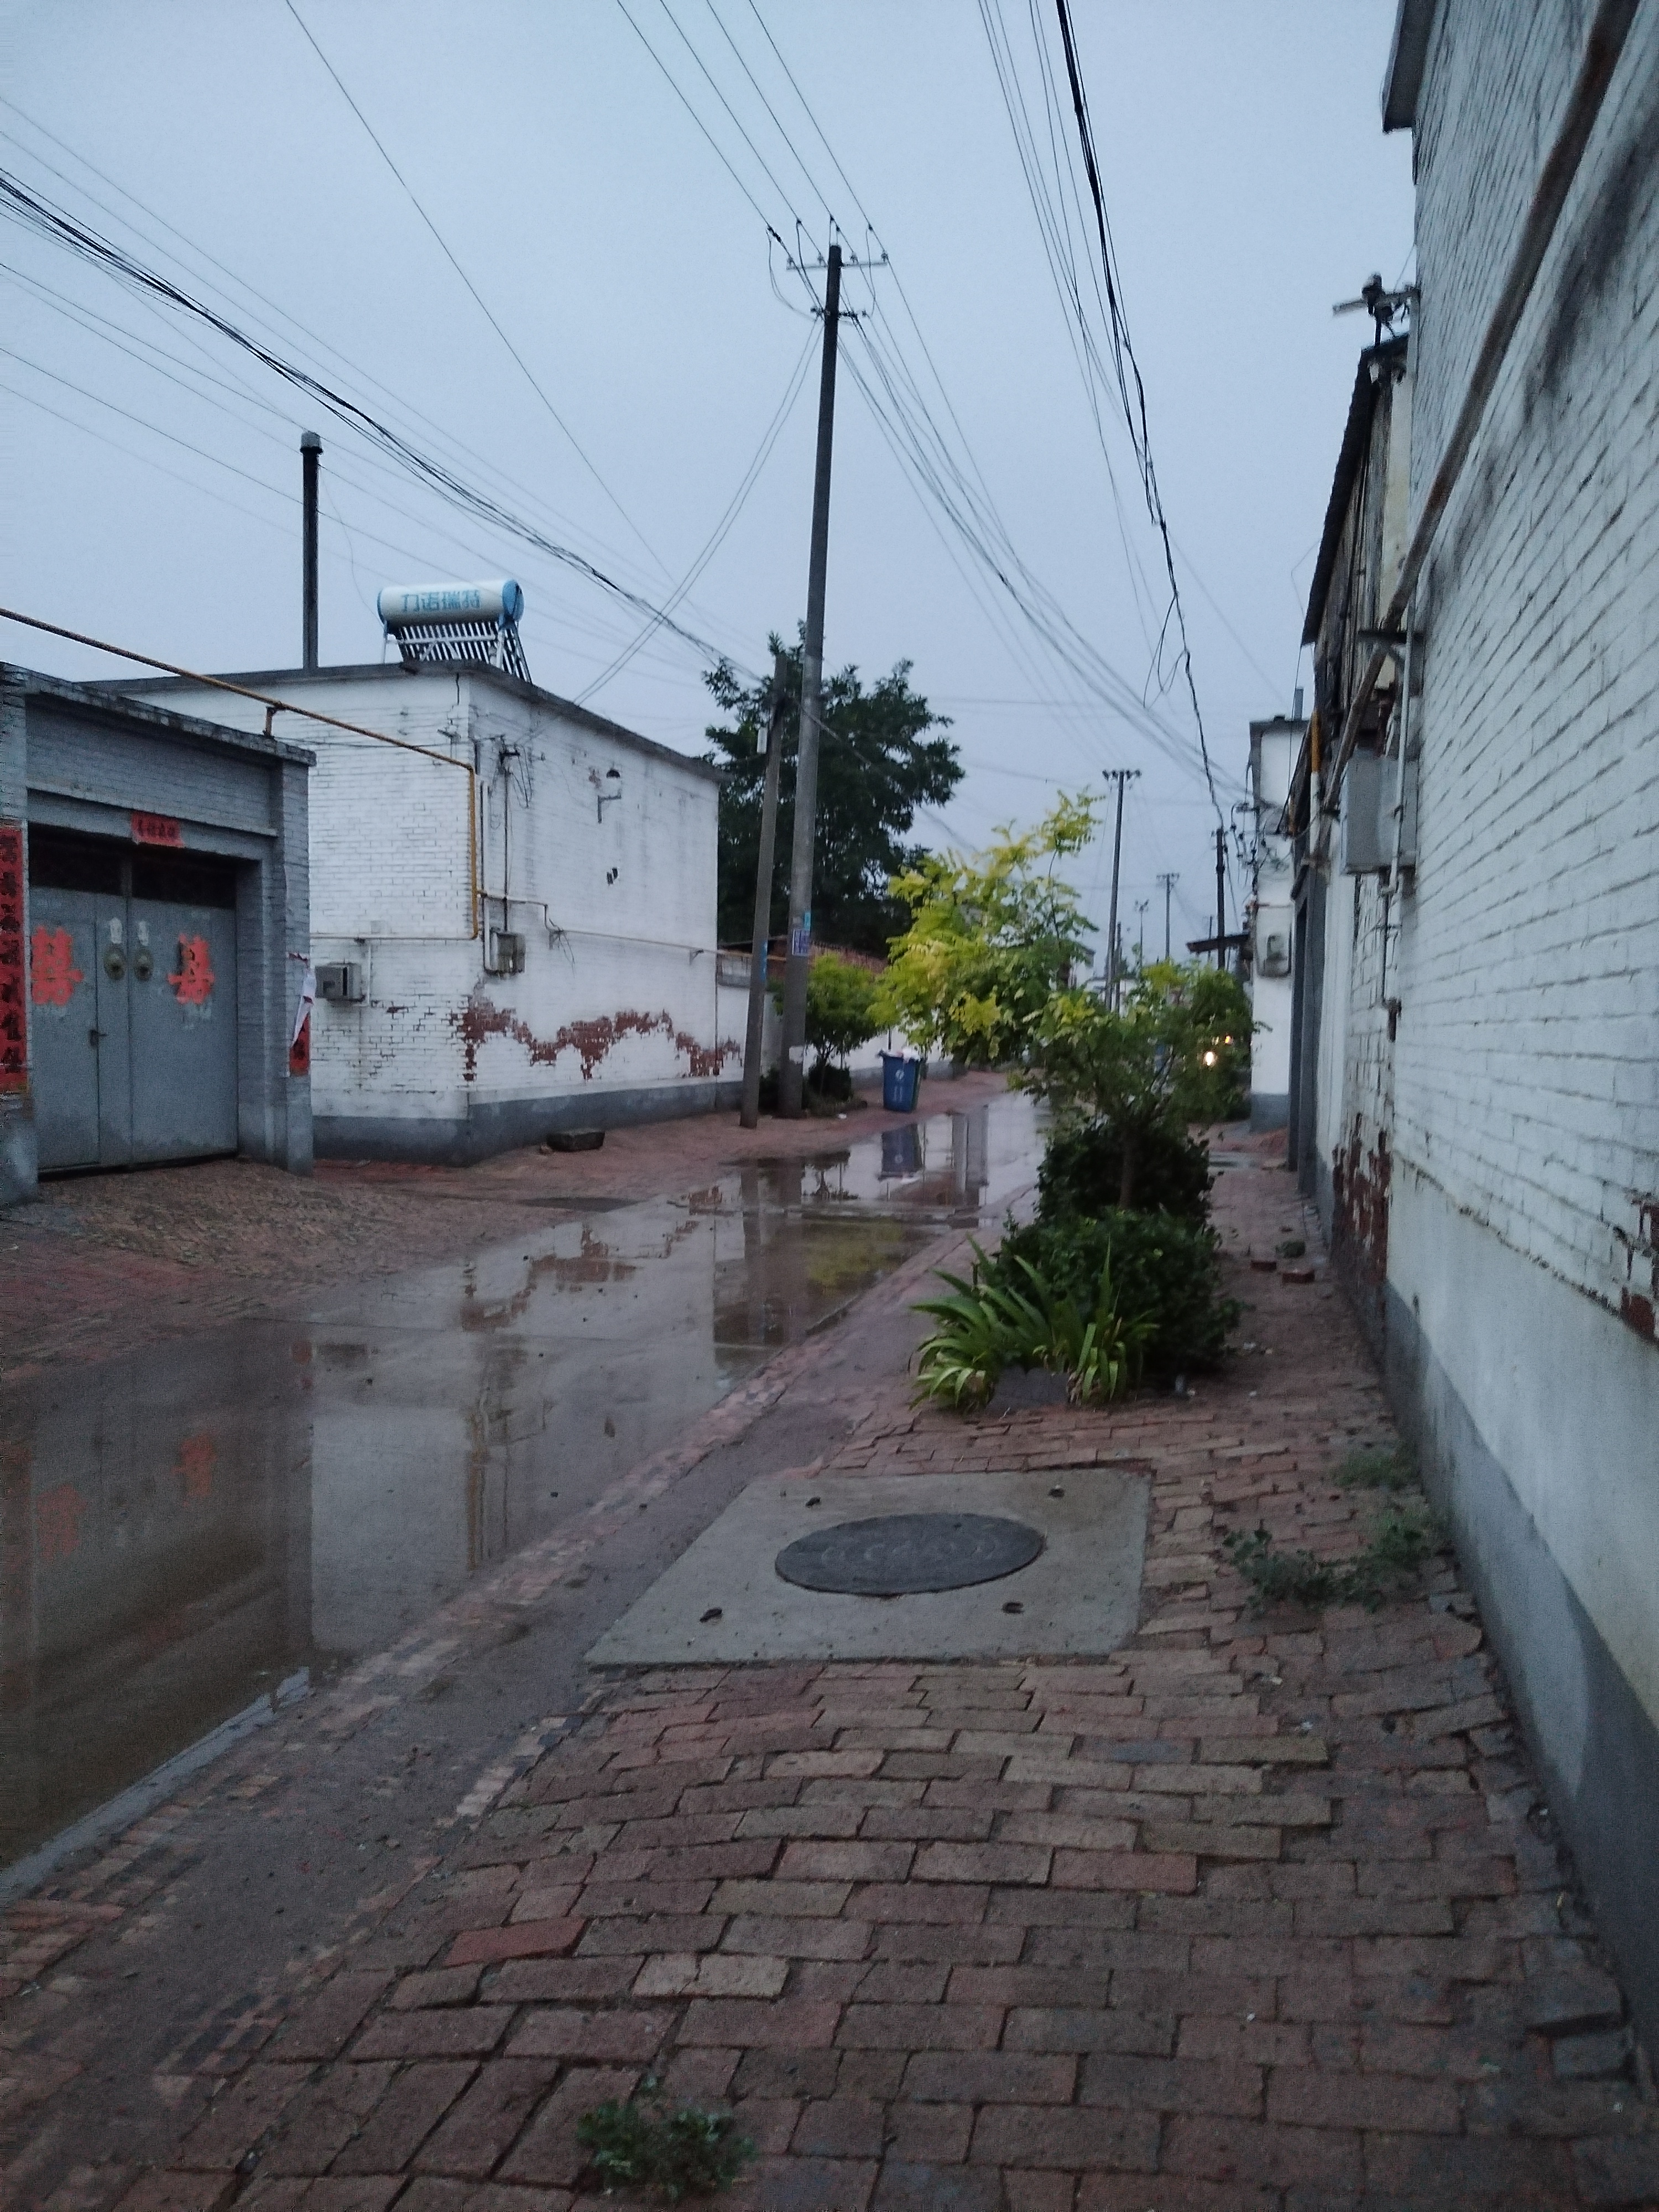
1258,1912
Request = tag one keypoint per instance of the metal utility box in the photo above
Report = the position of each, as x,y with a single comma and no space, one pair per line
1366,819
339,982
504,952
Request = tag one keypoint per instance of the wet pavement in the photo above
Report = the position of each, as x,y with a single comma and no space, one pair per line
186,1527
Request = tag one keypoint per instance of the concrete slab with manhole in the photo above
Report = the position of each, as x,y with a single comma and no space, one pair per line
1077,1595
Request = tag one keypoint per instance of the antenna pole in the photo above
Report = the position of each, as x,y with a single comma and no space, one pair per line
792,1071
311,451
757,958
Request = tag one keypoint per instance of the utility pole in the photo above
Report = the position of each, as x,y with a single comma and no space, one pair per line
1169,883
772,743
1220,896
1120,776
311,451
792,1071
1141,906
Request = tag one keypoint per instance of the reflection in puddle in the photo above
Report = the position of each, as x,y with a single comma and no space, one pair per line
182,1527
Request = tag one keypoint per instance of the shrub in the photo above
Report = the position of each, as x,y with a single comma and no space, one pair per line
841,1014
1081,1172
1164,1269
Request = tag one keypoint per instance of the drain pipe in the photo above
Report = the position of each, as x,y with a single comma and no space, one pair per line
311,451
1603,48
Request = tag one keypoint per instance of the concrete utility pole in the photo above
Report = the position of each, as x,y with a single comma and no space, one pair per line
1120,776
1169,883
1220,898
311,451
792,1071
1141,906
772,740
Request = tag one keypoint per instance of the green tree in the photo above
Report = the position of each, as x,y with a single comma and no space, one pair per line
991,939
877,764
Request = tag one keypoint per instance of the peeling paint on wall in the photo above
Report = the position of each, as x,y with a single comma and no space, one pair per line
1638,1300
591,1041
1360,1181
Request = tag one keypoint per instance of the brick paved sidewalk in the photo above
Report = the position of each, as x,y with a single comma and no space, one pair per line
1257,1913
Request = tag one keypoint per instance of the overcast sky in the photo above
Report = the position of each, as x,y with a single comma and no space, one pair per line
150,473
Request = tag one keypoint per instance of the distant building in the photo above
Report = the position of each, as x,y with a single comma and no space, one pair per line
1475,1093
154,936
1269,932
512,908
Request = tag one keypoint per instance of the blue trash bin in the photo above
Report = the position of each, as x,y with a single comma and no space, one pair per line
900,1072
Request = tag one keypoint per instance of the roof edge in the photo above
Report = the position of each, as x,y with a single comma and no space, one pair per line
114,704
1355,435
1408,51
366,670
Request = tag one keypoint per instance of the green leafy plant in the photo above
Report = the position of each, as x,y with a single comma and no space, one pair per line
1166,1269
1403,1538
1386,1467
1015,1317
683,2153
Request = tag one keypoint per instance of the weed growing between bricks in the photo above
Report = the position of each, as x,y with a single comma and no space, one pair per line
687,2151
1404,1537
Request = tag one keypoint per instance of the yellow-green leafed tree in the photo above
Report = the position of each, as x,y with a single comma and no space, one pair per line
992,937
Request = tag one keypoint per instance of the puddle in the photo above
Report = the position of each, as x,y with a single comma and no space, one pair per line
182,1529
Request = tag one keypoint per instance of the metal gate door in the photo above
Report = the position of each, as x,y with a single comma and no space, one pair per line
133,1004
64,1025
183,1030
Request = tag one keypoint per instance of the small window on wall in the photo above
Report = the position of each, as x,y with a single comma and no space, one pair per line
184,879
61,860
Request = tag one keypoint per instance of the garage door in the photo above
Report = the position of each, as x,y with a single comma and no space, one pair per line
132,985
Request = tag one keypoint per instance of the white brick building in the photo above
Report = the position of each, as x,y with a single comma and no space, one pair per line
1477,1087
520,827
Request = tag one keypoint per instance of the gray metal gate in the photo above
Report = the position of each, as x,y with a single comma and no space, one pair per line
133,1004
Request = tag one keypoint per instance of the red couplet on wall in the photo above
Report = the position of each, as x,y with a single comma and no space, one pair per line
299,1053
14,1018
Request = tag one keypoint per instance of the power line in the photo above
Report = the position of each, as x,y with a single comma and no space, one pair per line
40,216
718,535
482,305
1122,351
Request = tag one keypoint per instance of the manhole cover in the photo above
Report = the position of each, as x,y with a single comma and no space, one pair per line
901,1553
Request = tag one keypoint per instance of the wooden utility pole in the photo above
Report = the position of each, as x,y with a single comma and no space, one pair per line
1119,776
1169,883
772,741
1220,898
792,1070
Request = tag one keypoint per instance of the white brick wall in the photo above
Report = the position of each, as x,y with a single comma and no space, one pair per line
1528,1061
616,905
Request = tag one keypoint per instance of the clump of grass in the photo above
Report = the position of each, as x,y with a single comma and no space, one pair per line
686,2152
1404,1537
1379,1466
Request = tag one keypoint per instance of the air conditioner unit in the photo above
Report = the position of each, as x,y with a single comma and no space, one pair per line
504,952
339,982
